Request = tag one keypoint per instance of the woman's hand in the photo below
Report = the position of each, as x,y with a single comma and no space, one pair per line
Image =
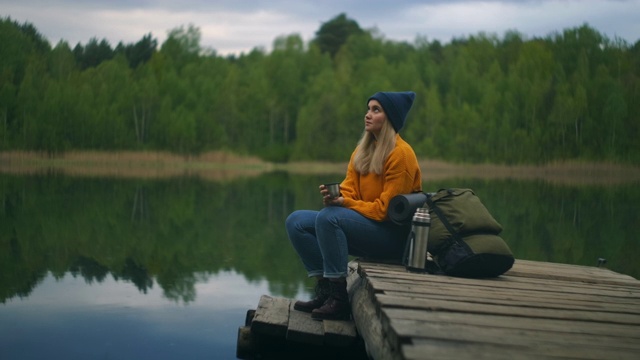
327,200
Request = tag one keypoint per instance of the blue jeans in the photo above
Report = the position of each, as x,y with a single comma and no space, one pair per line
324,239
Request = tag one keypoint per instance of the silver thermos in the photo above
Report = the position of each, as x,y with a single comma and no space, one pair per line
417,247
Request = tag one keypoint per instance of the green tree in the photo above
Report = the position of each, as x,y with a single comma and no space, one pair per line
208,79
117,74
94,53
571,95
561,119
435,136
315,128
615,112
28,131
7,104
22,45
335,32
182,45
140,52
285,77
144,94
252,124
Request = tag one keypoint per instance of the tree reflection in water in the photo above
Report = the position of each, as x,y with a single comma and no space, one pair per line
172,231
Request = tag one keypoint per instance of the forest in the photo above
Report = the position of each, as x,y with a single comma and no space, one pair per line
485,98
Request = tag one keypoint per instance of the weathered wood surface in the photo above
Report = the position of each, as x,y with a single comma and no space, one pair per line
536,310
276,317
271,316
275,330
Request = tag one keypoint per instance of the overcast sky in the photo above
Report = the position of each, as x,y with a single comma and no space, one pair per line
235,26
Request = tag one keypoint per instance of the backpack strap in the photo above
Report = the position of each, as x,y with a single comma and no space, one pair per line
455,236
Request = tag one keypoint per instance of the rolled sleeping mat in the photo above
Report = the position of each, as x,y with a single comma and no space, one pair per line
402,207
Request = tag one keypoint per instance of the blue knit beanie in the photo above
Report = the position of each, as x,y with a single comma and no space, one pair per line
396,105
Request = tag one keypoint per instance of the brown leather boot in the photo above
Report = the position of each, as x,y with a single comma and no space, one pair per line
337,306
322,290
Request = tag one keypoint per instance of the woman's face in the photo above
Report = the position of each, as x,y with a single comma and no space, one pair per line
374,118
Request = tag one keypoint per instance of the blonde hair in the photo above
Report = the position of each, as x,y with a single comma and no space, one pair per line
372,152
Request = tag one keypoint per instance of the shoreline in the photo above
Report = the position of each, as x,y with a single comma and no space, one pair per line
219,166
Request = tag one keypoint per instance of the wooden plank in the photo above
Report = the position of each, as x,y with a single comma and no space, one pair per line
520,300
368,321
461,292
583,274
536,310
584,278
461,306
631,332
339,333
535,268
277,317
498,335
479,351
528,266
379,284
567,280
525,302
506,283
245,344
272,316
302,328
503,279
616,301
464,350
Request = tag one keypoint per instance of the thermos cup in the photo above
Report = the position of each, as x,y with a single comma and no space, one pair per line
417,247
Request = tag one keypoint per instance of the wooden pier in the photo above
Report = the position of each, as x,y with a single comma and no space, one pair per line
537,310
276,331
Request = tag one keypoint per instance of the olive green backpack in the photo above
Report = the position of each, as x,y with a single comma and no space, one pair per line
464,237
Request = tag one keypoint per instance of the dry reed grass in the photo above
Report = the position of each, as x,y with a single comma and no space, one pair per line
217,166
223,166
570,172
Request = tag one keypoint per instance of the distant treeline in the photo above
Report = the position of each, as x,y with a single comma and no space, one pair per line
574,94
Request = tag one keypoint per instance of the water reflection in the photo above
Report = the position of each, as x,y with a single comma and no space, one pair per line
165,231
63,318
145,231
105,267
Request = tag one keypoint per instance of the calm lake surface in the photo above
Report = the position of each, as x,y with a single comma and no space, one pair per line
106,268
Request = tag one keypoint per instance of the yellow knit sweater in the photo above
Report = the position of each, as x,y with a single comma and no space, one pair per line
370,194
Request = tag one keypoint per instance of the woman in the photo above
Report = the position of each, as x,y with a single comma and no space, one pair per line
382,166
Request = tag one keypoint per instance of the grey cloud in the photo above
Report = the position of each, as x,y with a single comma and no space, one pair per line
229,25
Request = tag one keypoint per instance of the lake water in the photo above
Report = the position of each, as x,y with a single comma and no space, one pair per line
108,268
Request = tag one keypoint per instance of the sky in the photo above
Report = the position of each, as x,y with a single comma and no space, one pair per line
238,26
